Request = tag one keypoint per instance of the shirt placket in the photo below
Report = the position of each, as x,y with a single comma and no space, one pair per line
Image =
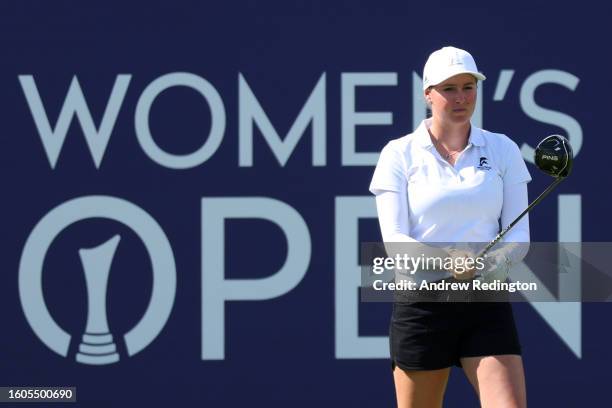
457,167
449,169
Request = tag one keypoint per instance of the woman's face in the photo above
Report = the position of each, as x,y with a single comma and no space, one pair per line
454,100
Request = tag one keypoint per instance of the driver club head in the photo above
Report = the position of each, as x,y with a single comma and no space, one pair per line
554,156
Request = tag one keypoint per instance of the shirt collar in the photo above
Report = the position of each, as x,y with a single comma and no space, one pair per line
424,140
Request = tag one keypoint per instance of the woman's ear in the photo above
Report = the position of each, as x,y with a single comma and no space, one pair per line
427,96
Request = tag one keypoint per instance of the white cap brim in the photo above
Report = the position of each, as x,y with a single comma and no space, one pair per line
451,73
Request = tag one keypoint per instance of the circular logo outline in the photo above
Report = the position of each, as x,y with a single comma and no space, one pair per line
82,208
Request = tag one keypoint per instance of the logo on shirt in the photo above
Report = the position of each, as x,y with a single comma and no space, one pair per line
484,164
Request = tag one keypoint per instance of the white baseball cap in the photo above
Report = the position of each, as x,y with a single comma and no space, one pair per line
447,62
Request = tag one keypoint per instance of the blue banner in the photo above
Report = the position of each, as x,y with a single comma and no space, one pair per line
186,191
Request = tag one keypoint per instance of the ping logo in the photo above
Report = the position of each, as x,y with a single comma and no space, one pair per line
97,346
548,157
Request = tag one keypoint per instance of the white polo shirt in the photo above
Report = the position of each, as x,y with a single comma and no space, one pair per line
446,203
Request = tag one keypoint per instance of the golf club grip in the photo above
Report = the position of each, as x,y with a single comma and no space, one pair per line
513,223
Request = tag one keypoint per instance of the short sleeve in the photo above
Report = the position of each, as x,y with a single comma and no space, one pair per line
516,169
389,174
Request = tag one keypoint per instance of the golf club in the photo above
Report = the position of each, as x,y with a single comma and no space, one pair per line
553,156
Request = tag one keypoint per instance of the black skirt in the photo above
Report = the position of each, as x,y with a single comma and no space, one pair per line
435,335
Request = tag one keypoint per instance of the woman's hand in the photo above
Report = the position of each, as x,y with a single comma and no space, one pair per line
464,264
497,266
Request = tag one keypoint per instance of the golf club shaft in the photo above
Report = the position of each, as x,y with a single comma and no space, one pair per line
513,223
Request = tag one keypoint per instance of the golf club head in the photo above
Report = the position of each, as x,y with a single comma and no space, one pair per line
554,156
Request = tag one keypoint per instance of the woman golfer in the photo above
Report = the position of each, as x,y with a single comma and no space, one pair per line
451,182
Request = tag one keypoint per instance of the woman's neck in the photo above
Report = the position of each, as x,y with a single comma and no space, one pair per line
451,136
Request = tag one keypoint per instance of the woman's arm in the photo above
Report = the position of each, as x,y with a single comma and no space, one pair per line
515,244
392,208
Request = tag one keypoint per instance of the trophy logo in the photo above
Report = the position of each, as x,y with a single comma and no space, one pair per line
97,346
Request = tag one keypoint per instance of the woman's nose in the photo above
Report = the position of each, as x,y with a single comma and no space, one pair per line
461,97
